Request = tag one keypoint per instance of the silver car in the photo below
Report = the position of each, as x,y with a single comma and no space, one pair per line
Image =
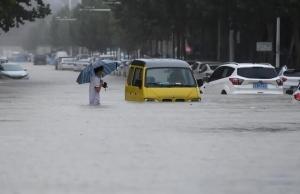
66,63
81,64
203,70
13,71
290,78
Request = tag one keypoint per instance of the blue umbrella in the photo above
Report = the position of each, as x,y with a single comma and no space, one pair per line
87,73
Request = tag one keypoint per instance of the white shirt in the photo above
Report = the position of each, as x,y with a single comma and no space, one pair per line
94,95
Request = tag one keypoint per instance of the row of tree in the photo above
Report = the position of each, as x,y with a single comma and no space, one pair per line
190,29
205,26
16,12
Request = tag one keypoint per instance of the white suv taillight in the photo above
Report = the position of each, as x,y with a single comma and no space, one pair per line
236,81
297,96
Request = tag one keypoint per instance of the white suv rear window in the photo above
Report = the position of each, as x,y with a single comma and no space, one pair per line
257,72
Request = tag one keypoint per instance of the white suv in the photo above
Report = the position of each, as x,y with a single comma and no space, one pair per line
244,78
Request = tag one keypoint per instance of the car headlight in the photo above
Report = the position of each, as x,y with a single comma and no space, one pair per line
150,100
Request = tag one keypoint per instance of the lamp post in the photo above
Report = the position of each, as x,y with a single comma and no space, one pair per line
278,43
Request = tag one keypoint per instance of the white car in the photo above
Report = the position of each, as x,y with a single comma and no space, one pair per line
123,68
297,93
66,63
290,78
61,54
82,56
244,78
81,64
203,70
13,71
3,59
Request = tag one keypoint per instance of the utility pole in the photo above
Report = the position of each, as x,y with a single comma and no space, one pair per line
219,41
231,39
231,45
70,11
278,42
70,6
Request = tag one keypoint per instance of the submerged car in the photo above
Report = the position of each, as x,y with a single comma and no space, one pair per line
3,60
244,78
66,63
82,56
82,64
162,80
123,68
40,60
203,70
13,71
290,78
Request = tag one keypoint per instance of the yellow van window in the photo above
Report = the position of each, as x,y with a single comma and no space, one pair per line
137,78
130,76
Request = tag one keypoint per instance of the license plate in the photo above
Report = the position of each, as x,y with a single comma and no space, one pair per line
260,85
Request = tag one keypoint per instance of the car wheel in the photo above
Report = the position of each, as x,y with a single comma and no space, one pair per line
224,92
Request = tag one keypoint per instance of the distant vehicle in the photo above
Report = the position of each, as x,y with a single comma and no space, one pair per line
61,54
107,57
290,78
191,62
82,56
297,93
244,78
123,68
13,71
81,64
66,63
161,80
40,60
58,56
19,57
3,60
203,70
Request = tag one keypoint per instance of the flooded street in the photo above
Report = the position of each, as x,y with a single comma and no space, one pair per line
52,142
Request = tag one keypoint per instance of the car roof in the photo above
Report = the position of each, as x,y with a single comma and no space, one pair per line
154,63
10,63
209,62
238,65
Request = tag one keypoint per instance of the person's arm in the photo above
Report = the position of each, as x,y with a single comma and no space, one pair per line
98,89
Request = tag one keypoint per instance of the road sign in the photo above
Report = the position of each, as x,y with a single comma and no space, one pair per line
264,46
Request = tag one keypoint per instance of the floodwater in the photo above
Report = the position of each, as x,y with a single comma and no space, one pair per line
52,142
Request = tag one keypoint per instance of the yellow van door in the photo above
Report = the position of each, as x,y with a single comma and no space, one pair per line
128,88
137,85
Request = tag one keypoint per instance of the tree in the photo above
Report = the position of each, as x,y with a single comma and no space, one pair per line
16,12
92,30
60,30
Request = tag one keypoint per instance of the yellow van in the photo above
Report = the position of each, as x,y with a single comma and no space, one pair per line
162,80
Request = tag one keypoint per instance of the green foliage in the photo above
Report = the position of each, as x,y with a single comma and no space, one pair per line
143,20
60,30
92,30
16,12
142,24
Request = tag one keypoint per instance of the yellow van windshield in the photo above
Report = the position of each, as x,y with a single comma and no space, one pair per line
169,77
